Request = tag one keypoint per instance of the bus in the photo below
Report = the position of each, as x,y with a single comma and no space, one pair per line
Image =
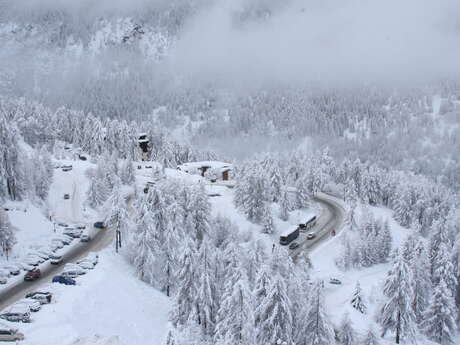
311,222
289,236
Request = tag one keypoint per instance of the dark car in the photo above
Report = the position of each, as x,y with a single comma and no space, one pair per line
43,297
294,245
32,275
99,225
66,196
63,280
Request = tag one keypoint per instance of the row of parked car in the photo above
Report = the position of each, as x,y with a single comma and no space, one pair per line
72,271
21,310
39,254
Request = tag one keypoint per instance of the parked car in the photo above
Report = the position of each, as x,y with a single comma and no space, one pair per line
66,196
294,245
57,244
3,280
55,259
44,253
17,313
33,260
75,233
311,236
73,269
40,296
65,239
85,238
82,158
62,225
14,269
87,265
10,334
33,305
25,266
66,167
61,279
99,225
81,227
91,257
32,275
5,273
335,281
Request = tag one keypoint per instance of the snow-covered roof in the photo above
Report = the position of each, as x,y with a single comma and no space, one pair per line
289,230
143,141
98,340
206,164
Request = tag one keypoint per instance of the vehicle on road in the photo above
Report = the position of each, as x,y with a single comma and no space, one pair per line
66,167
61,279
10,334
311,236
32,275
55,259
85,238
310,223
294,245
99,225
335,281
66,196
289,236
40,296
333,232
33,305
17,313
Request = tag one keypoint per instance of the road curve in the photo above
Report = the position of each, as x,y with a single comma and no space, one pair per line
332,217
100,239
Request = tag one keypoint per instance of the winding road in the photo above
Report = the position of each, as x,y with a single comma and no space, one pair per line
100,239
332,217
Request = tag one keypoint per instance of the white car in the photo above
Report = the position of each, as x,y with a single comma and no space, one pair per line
10,334
4,273
73,269
87,265
33,305
55,259
33,260
13,268
93,257
17,313
3,280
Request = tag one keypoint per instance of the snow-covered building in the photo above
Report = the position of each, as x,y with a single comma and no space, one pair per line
143,142
212,170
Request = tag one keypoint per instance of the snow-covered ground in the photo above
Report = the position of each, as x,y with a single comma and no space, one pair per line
371,279
108,301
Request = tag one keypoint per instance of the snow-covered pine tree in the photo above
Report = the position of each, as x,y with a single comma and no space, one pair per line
273,314
317,329
445,270
346,334
199,215
370,338
275,183
397,314
267,220
302,197
7,236
184,308
142,249
285,204
439,320
205,300
455,259
357,300
235,317
420,268
127,172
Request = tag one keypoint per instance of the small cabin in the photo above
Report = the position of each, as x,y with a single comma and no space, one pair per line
212,170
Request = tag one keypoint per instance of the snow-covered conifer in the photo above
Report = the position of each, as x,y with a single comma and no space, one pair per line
346,335
267,220
357,300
